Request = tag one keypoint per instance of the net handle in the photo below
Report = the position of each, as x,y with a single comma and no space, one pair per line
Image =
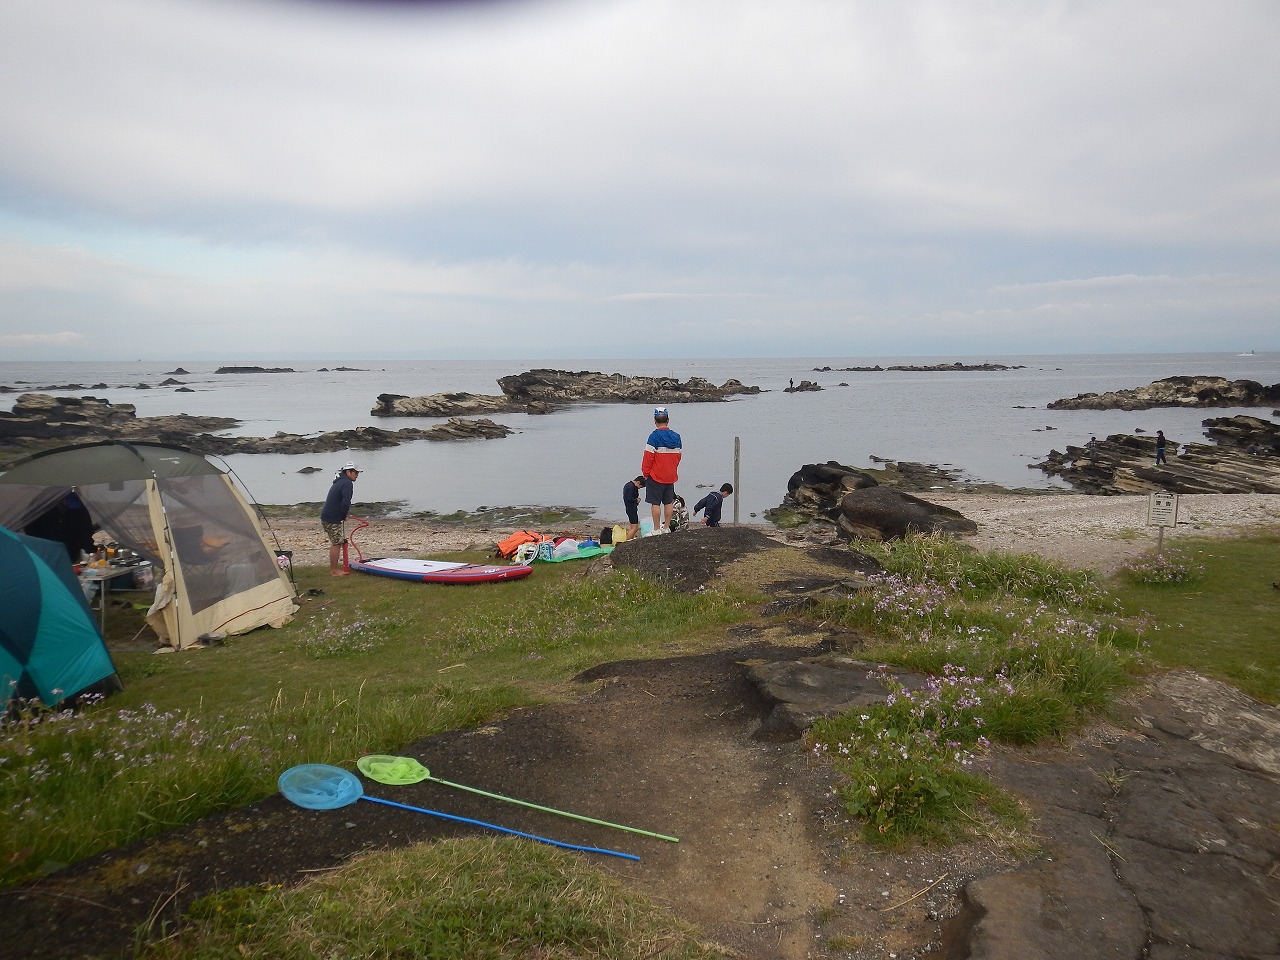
364,763
562,813
494,826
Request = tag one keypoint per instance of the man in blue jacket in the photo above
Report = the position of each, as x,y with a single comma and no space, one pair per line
334,514
713,503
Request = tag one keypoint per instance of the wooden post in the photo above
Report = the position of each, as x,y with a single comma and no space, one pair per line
737,470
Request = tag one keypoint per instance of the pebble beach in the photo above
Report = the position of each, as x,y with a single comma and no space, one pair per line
1086,532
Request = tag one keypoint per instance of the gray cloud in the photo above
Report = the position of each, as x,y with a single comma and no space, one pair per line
819,177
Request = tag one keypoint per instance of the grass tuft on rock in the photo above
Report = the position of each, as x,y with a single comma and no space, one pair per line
1017,650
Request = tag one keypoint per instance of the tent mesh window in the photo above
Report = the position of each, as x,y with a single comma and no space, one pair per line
217,547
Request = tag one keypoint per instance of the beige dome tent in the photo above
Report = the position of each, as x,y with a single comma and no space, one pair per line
216,573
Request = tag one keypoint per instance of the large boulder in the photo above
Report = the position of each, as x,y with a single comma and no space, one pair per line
878,513
842,503
820,486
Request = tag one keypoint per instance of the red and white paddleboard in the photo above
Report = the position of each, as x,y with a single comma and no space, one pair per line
440,571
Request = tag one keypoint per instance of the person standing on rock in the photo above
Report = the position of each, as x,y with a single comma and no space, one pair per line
333,516
713,503
631,503
659,466
1161,444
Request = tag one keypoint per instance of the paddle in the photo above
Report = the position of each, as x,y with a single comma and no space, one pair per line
319,786
404,770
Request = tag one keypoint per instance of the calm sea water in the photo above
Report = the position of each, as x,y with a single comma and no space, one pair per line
989,426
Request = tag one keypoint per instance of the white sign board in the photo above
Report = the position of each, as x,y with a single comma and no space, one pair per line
1162,510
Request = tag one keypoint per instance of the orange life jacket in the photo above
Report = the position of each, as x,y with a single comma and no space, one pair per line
507,548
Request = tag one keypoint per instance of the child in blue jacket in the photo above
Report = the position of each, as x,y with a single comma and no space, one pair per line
712,504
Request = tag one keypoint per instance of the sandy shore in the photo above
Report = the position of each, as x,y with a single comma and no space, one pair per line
1092,532
1100,533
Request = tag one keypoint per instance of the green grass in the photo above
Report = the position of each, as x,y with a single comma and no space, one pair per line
475,899
1020,650
368,666
1017,650
1226,622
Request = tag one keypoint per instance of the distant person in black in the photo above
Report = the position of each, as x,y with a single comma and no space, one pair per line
631,503
712,504
68,522
1161,443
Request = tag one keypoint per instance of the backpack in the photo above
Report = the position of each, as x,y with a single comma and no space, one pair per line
507,548
606,535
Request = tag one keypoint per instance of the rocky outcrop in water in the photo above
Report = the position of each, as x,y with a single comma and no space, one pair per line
1126,464
40,422
1250,434
859,506
804,386
59,387
441,405
922,368
23,387
542,391
359,438
1178,392
560,387
255,370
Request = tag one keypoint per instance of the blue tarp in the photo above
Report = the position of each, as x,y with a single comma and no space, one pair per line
580,555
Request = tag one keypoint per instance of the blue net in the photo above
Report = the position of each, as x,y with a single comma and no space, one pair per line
319,786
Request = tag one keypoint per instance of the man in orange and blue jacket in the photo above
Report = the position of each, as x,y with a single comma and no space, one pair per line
659,467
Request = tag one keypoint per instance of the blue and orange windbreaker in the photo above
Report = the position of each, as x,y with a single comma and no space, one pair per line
661,459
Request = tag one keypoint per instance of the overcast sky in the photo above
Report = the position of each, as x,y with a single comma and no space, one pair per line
637,178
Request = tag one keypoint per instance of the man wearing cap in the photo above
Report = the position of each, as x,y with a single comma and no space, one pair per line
334,514
659,466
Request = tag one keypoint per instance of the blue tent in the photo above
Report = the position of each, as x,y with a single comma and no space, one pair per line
50,648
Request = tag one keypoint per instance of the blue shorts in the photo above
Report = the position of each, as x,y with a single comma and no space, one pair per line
633,512
655,492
